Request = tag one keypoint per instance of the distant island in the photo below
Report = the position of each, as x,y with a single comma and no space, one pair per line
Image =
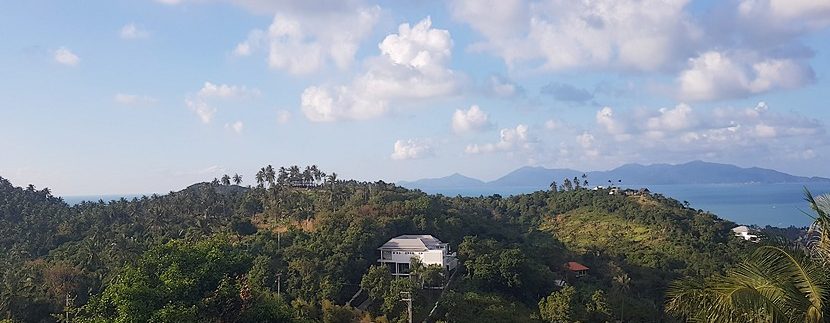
530,178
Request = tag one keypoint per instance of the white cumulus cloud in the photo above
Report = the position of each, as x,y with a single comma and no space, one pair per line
470,120
412,65
681,133
510,139
714,75
617,34
792,15
303,41
201,108
683,129
410,149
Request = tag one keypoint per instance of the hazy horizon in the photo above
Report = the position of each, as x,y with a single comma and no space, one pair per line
251,183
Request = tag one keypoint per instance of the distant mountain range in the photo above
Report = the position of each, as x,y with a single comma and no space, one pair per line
535,178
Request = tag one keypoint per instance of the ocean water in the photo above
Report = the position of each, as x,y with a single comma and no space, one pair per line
779,205
76,199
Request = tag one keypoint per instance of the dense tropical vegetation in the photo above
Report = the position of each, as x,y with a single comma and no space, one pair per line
300,245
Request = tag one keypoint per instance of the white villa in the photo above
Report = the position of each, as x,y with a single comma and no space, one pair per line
397,253
744,232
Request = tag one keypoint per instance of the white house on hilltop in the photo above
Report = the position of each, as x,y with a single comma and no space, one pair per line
744,232
397,253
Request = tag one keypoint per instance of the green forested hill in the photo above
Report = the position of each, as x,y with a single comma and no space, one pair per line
296,247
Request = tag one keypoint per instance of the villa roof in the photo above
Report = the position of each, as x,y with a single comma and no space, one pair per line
575,266
413,242
741,228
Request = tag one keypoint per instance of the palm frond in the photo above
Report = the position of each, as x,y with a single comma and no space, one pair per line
819,241
774,284
802,281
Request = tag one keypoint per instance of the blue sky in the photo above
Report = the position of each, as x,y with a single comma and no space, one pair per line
151,96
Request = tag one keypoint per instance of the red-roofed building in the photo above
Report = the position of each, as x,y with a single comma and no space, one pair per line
577,268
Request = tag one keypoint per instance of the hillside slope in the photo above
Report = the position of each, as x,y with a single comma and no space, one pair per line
145,255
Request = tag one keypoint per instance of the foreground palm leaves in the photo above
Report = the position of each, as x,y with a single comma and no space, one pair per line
775,284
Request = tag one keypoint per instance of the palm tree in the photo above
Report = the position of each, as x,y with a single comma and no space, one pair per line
293,175
820,242
237,179
260,177
622,282
332,179
270,175
282,178
775,284
316,174
308,176
226,180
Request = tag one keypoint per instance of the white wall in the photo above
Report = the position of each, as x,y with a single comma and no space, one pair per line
427,257
433,257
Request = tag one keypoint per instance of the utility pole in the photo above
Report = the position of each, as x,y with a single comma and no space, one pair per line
408,299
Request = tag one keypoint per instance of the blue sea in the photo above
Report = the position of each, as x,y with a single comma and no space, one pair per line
778,205
75,199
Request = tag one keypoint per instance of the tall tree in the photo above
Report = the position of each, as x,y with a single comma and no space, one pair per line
308,176
237,179
282,177
270,175
332,180
316,173
559,306
226,180
622,283
260,177
294,175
